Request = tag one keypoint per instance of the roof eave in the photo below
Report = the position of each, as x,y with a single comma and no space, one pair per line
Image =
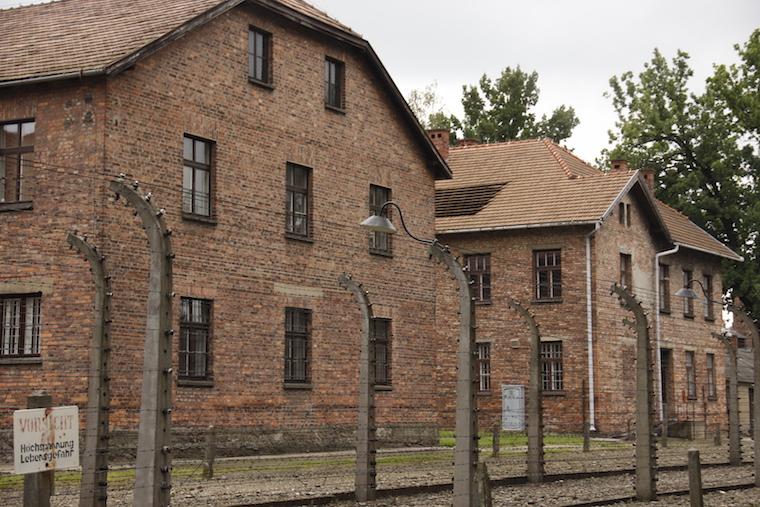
81,74
733,256
496,228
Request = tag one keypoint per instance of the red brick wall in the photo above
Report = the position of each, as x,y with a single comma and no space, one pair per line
198,85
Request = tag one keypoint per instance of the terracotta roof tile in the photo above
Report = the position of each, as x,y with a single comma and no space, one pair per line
687,233
72,36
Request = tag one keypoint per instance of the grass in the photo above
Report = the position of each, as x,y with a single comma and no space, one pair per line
517,439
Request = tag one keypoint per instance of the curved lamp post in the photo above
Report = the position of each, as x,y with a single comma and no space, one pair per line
734,438
466,432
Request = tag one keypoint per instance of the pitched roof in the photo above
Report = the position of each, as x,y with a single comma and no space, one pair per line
686,233
544,184
77,38
88,36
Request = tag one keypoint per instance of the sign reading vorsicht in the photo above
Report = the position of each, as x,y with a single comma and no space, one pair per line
45,439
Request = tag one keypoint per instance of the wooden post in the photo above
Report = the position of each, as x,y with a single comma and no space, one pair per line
366,431
664,437
38,488
586,425
496,439
695,479
208,464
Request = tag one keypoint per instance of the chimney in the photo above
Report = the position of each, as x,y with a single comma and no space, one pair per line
440,139
467,141
620,165
648,175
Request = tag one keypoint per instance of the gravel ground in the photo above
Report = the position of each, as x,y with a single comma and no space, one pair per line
268,479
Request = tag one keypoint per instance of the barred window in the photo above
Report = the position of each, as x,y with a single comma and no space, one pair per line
711,391
16,148
691,376
381,331
484,367
20,325
334,83
196,178
298,201
707,282
195,339
547,266
551,366
260,56
479,268
626,271
379,242
297,344
688,303
664,288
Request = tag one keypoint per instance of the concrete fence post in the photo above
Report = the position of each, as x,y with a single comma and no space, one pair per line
751,325
485,498
153,476
38,487
366,432
695,479
208,463
535,397
93,489
646,453
466,430
732,398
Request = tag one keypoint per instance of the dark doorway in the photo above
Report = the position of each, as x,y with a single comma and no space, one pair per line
666,364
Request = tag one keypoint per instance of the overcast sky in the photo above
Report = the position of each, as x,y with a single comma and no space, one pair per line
575,46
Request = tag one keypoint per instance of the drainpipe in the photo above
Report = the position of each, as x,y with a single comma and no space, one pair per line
590,330
658,361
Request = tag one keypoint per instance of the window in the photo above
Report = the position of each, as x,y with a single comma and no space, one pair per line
297,338
381,331
626,271
688,303
551,366
196,178
298,205
195,339
16,147
711,392
484,367
479,267
379,242
691,376
664,288
260,56
548,274
20,325
334,83
624,214
707,282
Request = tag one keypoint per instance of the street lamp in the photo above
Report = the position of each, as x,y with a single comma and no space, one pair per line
466,428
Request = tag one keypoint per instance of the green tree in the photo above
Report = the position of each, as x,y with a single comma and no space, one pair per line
502,110
702,148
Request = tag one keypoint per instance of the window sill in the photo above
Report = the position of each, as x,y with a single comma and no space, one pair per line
194,383
712,398
261,84
383,387
553,393
687,316
296,237
483,303
191,217
381,253
547,301
20,361
16,206
297,386
709,319
664,312
485,393
334,109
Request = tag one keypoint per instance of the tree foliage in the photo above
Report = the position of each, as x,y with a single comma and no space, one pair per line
702,146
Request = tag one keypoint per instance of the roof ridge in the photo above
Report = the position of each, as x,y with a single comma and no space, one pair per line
498,143
551,147
579,159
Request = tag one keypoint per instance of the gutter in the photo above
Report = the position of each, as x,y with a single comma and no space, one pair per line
737,258
590,330
53,77
518,227
658,361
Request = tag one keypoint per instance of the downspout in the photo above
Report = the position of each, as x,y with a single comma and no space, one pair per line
658,361
590,330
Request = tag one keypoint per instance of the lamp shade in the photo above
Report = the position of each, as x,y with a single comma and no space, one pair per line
376,223
687,292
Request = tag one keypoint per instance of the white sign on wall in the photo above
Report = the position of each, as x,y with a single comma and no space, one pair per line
513,407
45,439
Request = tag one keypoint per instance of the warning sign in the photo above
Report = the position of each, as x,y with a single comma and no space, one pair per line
45,439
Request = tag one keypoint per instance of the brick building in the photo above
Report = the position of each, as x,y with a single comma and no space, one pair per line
534,222
267,131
